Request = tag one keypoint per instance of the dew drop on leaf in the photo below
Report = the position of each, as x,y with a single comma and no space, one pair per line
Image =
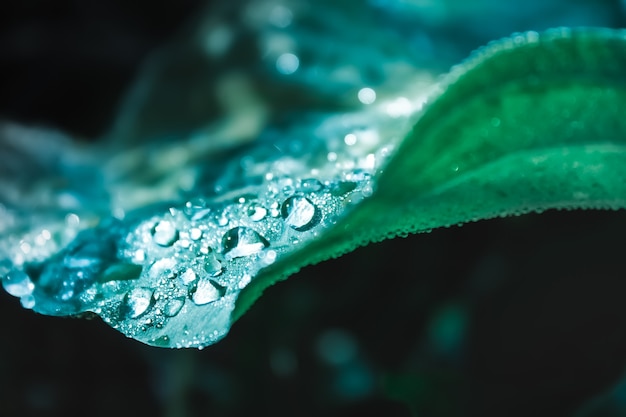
164,233
207,291
162,268
172,307
256,212
242,241
188,277
300,213
18,283
310,185
136,302
195,234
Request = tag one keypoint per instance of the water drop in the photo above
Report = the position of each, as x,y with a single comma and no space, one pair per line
164,233
200,214
288,189
366,95
72,220
188,276
195,233
350,139
300,213
274,209
287,63
269,258
223,220
212,266
310,185
173,306
28,301
256,212
139,256
162,268
18,283
136,302
242,241
207,291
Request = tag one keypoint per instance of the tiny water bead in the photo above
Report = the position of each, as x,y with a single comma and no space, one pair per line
300,213
195,234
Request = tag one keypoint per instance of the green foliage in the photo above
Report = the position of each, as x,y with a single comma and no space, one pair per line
528,123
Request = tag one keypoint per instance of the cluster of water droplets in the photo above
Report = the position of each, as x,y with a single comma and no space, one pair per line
170,276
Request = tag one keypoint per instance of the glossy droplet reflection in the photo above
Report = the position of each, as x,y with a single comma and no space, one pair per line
173,306
256,212
18,283
300,213
188,277
242,241
206,291
310,185
164,233
136,302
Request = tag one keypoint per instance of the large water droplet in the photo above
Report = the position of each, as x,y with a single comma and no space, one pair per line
188,276
136,302
18,283
242,241
300,213
206,291
309,185
173,306
164,233
212,266
162,268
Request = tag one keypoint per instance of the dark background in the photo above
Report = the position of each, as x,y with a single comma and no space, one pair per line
520,316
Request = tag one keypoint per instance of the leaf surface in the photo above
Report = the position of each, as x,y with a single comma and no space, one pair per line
528,123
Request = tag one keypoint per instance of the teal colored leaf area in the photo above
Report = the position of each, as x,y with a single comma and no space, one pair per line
525,124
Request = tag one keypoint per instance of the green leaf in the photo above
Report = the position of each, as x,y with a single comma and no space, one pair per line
528,123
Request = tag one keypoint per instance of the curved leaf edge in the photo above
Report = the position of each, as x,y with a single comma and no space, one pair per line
474,76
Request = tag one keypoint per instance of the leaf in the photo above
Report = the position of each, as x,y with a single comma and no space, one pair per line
528,123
